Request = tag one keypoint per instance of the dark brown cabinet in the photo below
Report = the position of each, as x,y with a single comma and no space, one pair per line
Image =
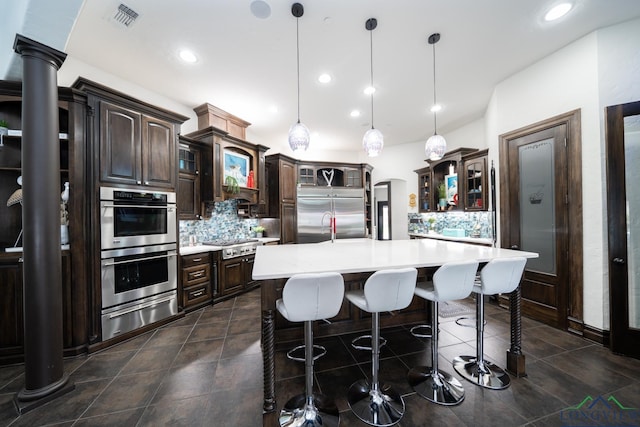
474,176
189,167
196,280
281,175
136,149
235,275
463,173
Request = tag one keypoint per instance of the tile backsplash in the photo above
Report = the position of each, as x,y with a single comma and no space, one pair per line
468,221
223,224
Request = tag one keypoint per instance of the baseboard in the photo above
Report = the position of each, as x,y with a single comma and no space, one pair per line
597,335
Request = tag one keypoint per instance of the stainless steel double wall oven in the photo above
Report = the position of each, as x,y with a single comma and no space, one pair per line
139,258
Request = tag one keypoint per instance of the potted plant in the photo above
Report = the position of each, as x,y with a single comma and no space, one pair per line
259,231
231,185
4,129
442,196
432,224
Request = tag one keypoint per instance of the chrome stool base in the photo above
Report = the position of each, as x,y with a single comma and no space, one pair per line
439,387
297,413
382,407
485,374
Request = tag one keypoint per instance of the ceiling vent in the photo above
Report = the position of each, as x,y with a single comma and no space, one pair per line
125,16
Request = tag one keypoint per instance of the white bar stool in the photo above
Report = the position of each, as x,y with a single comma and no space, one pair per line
305,298
498,276
452,281
384,290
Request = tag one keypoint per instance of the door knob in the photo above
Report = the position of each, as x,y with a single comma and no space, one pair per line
619,261
515,247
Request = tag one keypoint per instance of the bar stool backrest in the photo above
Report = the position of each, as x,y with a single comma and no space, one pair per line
307,297
388,290
454,280
502,275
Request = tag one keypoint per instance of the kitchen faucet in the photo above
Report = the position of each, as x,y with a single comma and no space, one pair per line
332,223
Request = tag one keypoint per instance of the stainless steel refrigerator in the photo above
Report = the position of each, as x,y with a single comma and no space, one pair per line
317,205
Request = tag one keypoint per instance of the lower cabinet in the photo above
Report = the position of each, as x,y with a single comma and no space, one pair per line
196,280
235,275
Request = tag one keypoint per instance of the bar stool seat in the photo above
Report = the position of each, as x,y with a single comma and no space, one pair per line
452,281
306,298
498,276
384,290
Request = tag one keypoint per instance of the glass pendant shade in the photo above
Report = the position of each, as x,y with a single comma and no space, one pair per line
435,147
299,137
372,142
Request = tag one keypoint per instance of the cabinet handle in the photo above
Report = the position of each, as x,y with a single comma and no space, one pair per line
197,294
138,182
618,261
198,274
197,260
146,183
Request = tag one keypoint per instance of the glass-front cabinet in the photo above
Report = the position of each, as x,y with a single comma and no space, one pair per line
475,181
458,181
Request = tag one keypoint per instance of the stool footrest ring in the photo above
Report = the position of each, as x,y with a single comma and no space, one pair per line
318,352
354,342
415,331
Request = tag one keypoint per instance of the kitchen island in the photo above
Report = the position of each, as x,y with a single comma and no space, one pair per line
356,259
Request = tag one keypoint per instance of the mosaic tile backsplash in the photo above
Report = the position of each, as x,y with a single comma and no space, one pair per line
223,223
419,222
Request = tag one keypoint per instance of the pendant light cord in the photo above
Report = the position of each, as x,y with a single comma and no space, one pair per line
371,69
298,64
435,114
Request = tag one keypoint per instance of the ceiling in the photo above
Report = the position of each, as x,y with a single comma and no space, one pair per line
247,65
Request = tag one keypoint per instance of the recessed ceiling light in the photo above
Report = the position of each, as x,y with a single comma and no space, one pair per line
369,90
557,11
436,108
260,9
324,78
355,113
188,56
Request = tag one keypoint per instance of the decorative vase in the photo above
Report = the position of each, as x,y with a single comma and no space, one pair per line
64,234
259,235
442,203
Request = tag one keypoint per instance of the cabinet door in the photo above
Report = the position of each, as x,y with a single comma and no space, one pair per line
11,313
158,153
307,175
287,182
248,271
288,222
231,276
189,183
120,149
475,187
352,177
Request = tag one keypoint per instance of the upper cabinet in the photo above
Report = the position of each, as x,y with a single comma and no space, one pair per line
455,182
474,171
137,141
332,174
189,170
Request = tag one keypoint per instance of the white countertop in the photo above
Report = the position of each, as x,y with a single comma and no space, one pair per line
475,240
199,248
363,255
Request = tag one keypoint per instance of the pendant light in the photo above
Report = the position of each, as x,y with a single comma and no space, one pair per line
373,141
298,132
436,145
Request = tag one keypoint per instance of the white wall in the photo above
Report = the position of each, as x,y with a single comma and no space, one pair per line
574,78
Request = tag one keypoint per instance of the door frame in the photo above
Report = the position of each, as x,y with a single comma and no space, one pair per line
573,321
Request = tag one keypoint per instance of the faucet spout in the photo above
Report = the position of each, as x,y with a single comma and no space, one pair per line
332,224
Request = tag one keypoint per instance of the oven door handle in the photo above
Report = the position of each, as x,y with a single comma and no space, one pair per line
108,264
171,207
141,307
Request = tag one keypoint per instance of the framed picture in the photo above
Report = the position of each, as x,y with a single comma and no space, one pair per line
237,166
452,188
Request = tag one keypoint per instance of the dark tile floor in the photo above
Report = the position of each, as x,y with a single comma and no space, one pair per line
206,370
